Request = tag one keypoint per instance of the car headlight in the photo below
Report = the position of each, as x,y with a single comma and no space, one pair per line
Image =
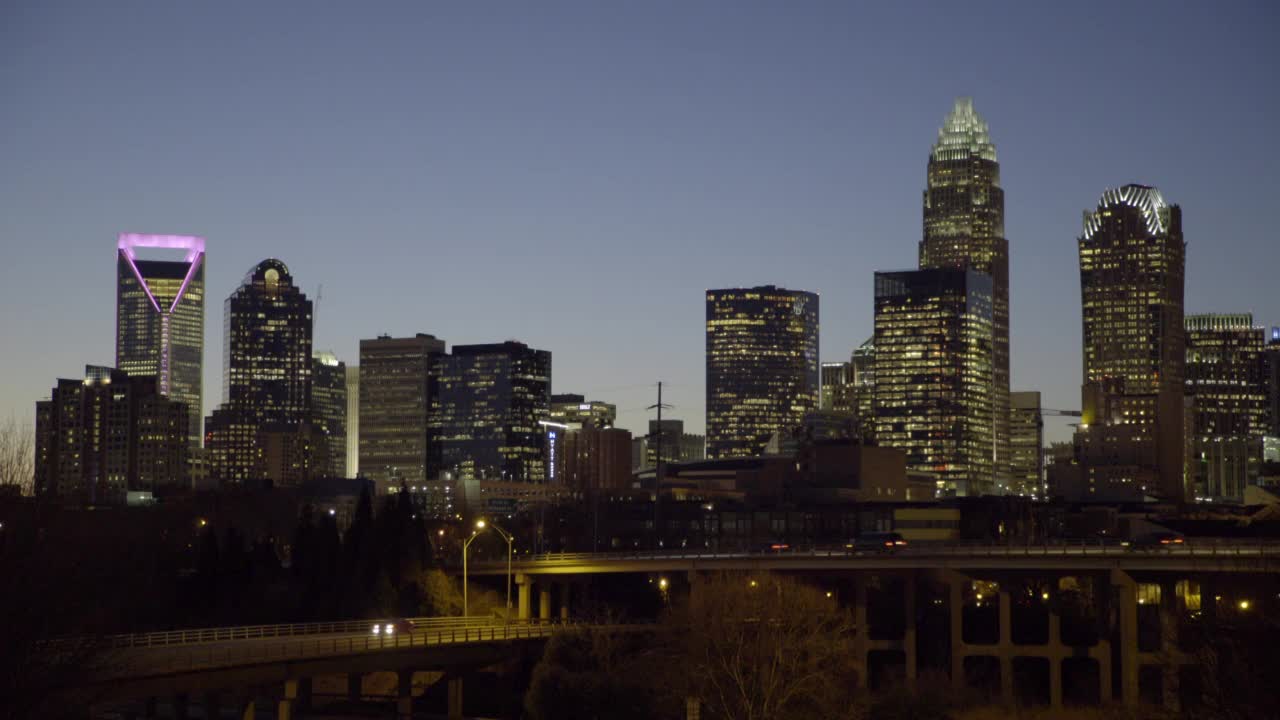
377,629
390,629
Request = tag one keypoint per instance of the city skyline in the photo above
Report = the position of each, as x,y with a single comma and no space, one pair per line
849,194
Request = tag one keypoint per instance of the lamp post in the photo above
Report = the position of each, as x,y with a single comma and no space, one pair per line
466,544
481,526
510,549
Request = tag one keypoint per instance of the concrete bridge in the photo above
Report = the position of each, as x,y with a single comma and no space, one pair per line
1129,591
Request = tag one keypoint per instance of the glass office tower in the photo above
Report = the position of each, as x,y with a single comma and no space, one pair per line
160,318
762,366
396,390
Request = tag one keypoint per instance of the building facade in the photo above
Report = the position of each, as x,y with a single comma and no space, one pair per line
487,412
329,409
1226,380
762,366
934,394
863,363
1271,356
109,439
396,393
1026,444
594,458
353,421
160,318
267,366
964,228
1131,437
569,409
837,387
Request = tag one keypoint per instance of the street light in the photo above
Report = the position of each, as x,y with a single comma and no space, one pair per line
481,526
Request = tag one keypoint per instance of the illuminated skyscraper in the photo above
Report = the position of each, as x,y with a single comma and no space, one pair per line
762,366
863,364
933,395
1132,258
485,416
569,409
1026,443
266,371
396,393
160,318
1226,378
329,408
837,387
964,228
353,421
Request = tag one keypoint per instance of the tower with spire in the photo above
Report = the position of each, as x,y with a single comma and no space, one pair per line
964,229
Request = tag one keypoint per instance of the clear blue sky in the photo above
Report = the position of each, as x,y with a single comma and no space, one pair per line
575,175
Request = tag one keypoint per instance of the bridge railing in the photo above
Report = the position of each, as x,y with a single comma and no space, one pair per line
1066,548
253,632
211,656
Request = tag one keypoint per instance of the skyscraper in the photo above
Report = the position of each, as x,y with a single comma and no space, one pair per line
933,395
837,387
1226,380
396,393
353,421
110,435
486,413
1132,258
266,370
1026,443
964,228
762,366
160,318
329,408
863,364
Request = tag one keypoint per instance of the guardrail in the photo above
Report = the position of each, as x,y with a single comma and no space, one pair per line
254,632
1195,547
205,657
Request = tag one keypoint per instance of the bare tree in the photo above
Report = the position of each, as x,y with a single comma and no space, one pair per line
17,455
764,646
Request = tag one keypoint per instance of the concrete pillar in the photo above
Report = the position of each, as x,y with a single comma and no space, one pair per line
1169,646
1127,597
565,589
455,697
249,710
355,683
289,703
909,633
1006,645
955,586
404,694
524,593
304,694
544,601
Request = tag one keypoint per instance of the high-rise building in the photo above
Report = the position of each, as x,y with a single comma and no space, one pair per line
266,371
160,318
837,387
591,457
353,420
486,414
1131,438
329,408
1271,358
1226,379
570,409
396,394
863,364
933,368
110,439
1026,444
762,366
964,228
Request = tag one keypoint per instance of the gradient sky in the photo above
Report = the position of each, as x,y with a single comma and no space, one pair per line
576,175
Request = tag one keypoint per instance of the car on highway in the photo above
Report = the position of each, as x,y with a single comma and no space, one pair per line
881,542
1162,540
393,627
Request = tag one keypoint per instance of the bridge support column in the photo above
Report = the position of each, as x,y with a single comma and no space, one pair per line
404,694
909,627
355,682
566,589
297,698
1127,597
524,591
1169,646
454,689
249,710
1006,645
544,601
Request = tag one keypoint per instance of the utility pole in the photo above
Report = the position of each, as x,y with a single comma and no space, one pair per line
657,472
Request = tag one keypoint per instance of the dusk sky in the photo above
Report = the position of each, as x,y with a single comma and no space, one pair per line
576,175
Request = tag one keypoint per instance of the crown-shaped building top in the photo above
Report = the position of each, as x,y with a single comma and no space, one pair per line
963,134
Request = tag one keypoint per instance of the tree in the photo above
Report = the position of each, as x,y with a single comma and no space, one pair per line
17,456
591,675
763,646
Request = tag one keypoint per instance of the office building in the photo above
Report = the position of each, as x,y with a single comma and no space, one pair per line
1226,380
593,458
487,412
396,394
353,421
329,409
569,409
677,445
1026,444
1131,436
762,366
933,395
267,368
837,387
964,228
160,318
110,439
863,364
1271,355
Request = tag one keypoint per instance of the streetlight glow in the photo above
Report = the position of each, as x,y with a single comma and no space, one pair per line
480,524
